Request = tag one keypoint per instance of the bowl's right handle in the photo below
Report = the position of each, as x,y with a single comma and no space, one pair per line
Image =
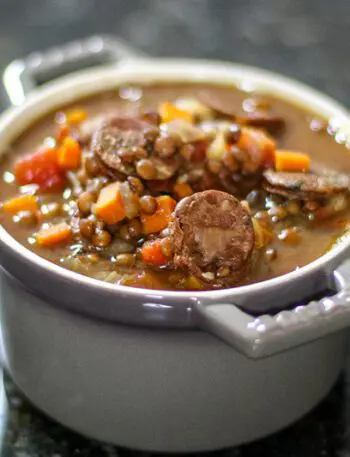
22,76
266,335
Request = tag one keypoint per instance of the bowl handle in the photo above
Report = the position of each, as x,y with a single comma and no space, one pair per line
266,335
22,76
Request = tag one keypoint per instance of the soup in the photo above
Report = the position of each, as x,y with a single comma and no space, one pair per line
181,186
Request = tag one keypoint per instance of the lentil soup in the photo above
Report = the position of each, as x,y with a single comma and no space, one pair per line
181,186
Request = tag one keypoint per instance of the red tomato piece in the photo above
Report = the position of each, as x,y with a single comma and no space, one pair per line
40,168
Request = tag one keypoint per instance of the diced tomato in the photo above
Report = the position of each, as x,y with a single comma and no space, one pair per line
40,168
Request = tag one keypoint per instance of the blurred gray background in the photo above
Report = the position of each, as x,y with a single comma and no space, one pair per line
305,39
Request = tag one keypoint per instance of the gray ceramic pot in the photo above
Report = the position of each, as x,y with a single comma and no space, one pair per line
168,371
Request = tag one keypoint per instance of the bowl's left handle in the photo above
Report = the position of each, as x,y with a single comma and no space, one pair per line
266,335
22,76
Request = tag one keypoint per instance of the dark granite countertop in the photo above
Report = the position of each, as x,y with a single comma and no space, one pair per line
307,40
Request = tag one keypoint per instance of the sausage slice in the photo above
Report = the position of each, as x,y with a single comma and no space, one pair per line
213,237
222,105
112,140
305,186
122,135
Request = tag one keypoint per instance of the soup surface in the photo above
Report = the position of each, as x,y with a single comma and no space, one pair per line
182,186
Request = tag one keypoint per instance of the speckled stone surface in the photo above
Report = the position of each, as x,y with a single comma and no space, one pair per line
305,39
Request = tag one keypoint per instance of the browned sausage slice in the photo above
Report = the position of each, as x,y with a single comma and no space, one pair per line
224,106
126,134
305,186
119,135
213,237
264,120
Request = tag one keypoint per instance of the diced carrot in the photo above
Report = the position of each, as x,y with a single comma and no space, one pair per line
166,203
183,189
69,154
21,203
286,160
40,168
257,141
56,234
153,223
169,112
62,133
76,116
151,253
109,206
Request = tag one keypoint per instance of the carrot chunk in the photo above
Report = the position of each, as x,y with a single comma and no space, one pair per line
76,116
69,154
169,112
62,132
109,206
56,234
286,160
159,220
151,253
256,142
21,203
183,190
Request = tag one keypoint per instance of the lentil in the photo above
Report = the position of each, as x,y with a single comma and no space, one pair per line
152,117
50,210
136,185
148,204
139,152
86,228
233,134
167,145
85,201
311,206
230,160
187,151
92,166
146,169
124,233
151,133
126,155
135,228
125,260
101,239
166,247
293,207
270,254
223,271
277,213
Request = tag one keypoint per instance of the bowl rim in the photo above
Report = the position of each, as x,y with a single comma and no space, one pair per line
75,86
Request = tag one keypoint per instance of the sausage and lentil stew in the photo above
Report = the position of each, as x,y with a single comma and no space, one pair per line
182,186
